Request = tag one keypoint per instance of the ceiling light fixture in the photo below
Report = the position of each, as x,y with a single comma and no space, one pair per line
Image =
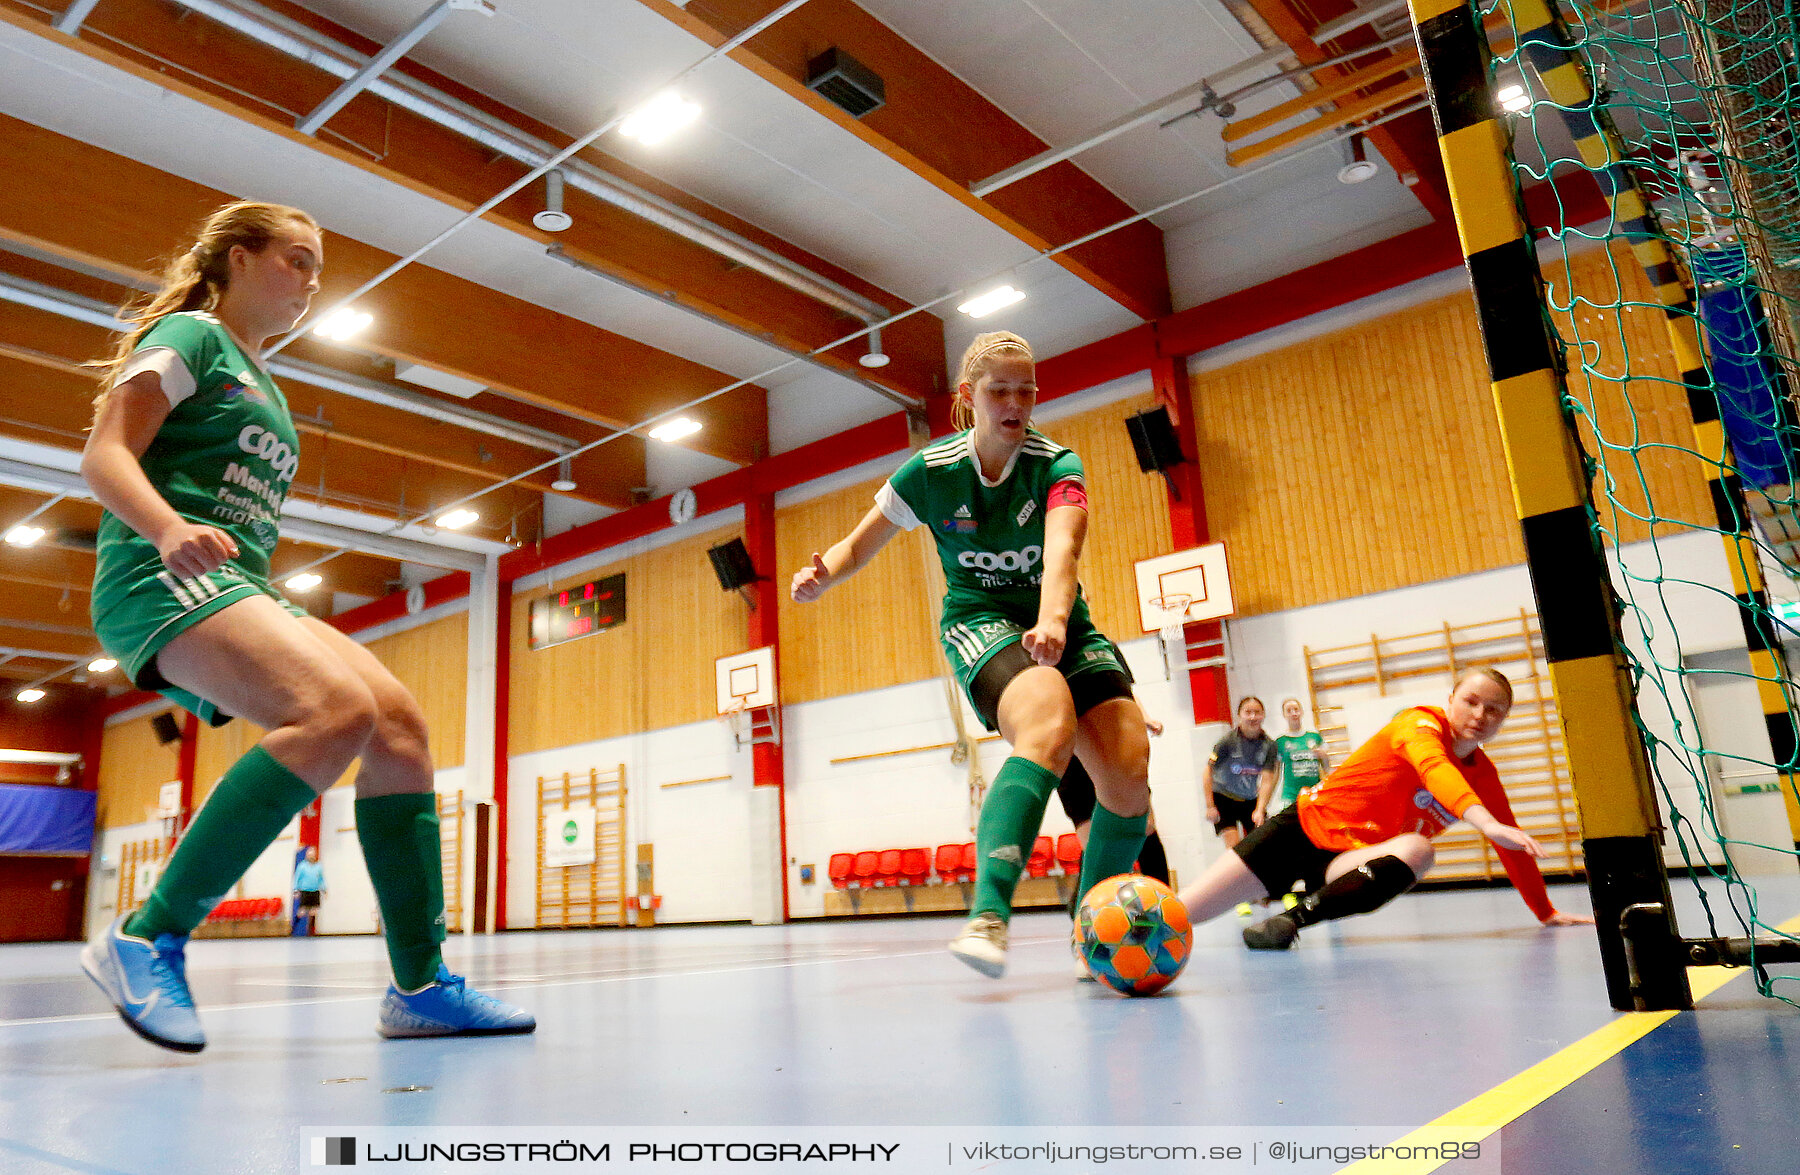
24,534
1360,167
30,695
995,296
659,118
458,518
876,356
102,665
553,219
343,323
1513,98
675,429
306,581
565,476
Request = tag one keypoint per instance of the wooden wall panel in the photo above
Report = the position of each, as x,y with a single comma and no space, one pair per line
432,661
876,629
1370,459
133,768
653,671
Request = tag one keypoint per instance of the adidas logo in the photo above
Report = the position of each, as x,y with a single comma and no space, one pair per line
1007,855
963,512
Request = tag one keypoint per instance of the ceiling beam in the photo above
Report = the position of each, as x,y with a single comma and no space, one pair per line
1399,142
79,201
948,134
261,86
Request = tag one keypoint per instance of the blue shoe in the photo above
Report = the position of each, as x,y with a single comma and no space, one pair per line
147,984
448,1008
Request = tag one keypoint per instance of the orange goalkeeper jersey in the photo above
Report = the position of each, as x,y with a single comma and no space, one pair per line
1408,779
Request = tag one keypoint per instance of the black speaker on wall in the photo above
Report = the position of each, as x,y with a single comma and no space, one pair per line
731,563
1154,440
167,729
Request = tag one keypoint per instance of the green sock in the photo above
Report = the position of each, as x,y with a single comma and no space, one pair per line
248,809
1003,837
400,844
1114,842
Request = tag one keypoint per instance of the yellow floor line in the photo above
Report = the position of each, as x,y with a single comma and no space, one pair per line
1484,1114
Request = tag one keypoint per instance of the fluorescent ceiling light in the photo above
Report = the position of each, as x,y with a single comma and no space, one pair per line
988,301
24,534
306,581
457,519
102,665
675,429
29,695
439,381
659,118
1513,98
343,323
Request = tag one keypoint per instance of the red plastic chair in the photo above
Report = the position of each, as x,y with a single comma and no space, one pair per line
839,869
1043,855
272,907
915,866
887,868
863,873
1068,854
968,861
949,864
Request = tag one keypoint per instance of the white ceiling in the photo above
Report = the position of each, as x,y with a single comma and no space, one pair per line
1061,67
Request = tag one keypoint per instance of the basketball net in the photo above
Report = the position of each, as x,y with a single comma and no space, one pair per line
1173,634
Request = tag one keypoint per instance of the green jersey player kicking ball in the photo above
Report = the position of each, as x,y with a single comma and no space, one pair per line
191,453
1008,509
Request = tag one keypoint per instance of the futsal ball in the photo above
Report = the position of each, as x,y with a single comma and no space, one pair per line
1133,933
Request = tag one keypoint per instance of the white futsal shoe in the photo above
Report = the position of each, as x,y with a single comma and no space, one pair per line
982,945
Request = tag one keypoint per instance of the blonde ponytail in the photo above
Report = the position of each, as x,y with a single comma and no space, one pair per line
196,278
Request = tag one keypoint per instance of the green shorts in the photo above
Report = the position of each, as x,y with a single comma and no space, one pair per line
135,628
971,639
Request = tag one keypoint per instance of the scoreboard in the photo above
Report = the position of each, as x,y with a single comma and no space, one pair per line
576,612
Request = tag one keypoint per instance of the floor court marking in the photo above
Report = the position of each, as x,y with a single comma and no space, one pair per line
1482,1116
219,1009
63,1161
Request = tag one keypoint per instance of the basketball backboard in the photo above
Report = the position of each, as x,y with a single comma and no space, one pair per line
1183,587
746,681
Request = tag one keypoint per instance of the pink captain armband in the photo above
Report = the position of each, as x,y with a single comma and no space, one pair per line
1068,492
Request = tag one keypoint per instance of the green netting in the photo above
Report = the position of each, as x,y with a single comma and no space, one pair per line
1691,144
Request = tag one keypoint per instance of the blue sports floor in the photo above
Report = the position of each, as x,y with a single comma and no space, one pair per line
1371,1030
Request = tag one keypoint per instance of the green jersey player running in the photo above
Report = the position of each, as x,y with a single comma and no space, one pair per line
1008,508
192,452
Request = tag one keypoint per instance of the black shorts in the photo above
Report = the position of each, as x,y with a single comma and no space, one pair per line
1233,811
1076,791
309,898
1280,853
1088,688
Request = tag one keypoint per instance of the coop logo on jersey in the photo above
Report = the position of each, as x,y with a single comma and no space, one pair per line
260,442
1030,505
1023,560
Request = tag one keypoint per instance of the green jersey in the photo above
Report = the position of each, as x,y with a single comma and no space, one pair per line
224,457
1302,762
990,535
990,539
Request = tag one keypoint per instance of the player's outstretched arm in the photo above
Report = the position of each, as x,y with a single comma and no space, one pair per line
845,557
126,424
1504,835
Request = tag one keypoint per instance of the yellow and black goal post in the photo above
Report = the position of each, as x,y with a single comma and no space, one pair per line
1579,612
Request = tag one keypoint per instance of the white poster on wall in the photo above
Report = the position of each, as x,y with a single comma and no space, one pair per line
569,837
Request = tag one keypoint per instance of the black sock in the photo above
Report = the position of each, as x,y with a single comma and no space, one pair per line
1366,888
1152,861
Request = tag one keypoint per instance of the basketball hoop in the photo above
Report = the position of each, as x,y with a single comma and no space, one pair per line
1174,607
